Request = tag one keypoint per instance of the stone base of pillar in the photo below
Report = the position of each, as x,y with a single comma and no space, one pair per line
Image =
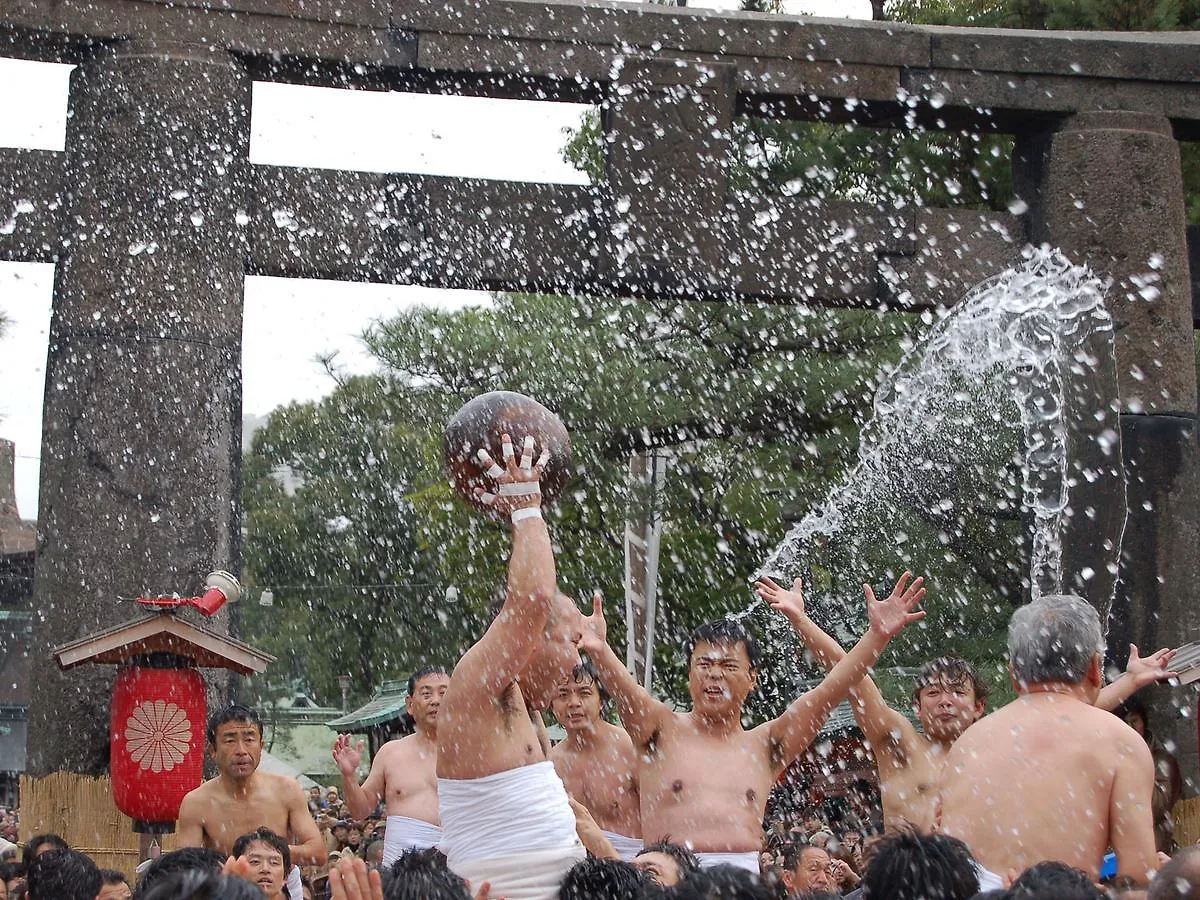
1156,605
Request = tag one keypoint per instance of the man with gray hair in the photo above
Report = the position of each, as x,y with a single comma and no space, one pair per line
1050,776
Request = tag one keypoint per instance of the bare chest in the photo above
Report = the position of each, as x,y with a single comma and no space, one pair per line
411,774
226,819
687,770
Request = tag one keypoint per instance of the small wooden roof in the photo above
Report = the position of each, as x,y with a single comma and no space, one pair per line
163,633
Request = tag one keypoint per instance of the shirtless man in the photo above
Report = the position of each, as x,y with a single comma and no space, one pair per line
596,762
704,779
1013,776
949,695
241,799
506,819
403,772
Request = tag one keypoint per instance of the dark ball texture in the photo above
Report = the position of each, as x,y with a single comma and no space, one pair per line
482,421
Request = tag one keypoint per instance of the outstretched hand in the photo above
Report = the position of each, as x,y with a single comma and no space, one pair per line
347,755
517,483
350,880
889,617
790,603
594,628
1147,670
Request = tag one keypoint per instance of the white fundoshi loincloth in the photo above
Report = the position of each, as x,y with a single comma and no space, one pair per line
627,848
293,886
747,860
514,830
403,833
988,880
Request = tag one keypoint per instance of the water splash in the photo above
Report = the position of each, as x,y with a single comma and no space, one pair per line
985,411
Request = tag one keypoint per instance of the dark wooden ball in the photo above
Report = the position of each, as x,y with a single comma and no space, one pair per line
482,421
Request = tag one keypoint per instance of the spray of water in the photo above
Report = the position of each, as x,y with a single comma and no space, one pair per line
979,412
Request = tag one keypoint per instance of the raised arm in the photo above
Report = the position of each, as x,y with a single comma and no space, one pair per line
360,801
641,714
792,732
881,725
306,846
1139,673
494,662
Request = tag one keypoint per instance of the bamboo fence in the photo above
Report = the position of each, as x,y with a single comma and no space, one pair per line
81,809
1187,822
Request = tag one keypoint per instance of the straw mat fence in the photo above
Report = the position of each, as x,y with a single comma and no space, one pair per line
81,809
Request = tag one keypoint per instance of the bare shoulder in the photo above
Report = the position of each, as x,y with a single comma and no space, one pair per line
281,786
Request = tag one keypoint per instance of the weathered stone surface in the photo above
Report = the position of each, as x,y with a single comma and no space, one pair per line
319,223
1156,604
1147,56
668,131
811,250
1008,97
141,431
1193,243
30,201
1107,190
953,250
360,35
640,28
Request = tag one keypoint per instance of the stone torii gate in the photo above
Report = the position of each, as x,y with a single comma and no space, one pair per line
154,215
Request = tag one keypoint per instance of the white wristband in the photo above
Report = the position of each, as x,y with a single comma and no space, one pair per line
520,489
529,512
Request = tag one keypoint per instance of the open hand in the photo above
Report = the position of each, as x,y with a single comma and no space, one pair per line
350,880
347,756
1147,670
889,617
790,603
517,483
594,628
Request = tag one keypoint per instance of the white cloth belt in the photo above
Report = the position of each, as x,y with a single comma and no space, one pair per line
747,860
523,876
292,887
626,846
403,833
514,829
988,880
517,811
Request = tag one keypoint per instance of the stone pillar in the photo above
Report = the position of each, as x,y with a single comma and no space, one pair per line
141,434
1106,188
668,127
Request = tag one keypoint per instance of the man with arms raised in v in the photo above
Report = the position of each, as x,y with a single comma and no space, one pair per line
949,695
596,762
506,819
242,799
403,772
704,779
1050,776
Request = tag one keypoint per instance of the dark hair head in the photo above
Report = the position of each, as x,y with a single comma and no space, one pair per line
62,875
11,870
726,631
421,673
791,854
953,671
604,879
185,859
1054,881
264,836
1179,879
585,673
912,866
112,876
234,712
198,884
37,842
684,858
724,882
424,875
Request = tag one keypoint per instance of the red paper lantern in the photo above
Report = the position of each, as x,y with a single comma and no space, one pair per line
156,740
